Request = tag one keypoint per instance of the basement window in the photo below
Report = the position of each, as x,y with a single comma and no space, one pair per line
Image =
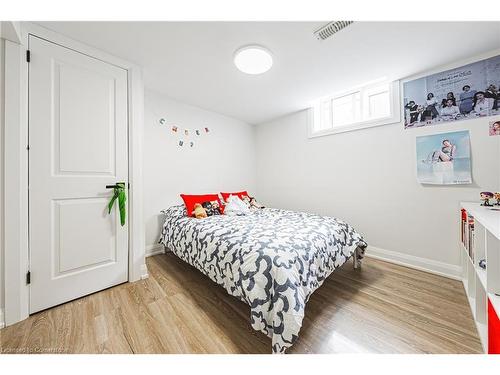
363,107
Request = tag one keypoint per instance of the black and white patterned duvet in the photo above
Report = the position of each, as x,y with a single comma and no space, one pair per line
272,259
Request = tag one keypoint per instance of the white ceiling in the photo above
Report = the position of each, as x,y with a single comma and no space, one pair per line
192,61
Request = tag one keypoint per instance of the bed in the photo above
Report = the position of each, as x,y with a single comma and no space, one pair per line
271,259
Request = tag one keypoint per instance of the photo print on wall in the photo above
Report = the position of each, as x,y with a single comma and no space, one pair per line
494,128
444,159
463,93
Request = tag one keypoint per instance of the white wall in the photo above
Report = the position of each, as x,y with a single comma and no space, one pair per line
368,178
223,160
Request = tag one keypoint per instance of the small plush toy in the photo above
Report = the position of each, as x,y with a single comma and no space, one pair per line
497,197
254,203
216,207
485,197
246,200
211,207
199,212
236,207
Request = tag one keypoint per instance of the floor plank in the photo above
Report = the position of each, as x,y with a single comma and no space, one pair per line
380,308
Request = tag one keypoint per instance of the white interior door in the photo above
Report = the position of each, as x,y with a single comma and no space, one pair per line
78,145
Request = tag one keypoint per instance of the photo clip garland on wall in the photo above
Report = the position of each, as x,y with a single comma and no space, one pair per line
187,132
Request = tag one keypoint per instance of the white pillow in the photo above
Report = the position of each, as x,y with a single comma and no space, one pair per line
235,206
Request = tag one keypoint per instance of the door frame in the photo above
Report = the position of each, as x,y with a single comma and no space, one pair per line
16,238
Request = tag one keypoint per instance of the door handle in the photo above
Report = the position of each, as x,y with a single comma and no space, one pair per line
119,193
117,185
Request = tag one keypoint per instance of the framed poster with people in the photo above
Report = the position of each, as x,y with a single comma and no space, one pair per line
466,92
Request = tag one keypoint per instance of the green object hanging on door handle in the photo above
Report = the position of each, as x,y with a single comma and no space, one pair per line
119,192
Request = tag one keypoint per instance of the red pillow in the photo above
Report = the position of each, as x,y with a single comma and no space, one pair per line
240,195
191,200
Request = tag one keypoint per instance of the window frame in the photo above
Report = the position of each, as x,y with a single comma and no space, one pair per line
393,117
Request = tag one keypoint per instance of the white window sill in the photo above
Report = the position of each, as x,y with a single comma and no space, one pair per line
354,127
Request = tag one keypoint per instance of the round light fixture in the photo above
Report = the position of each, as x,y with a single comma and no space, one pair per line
253,59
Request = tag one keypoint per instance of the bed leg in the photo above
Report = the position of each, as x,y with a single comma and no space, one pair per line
356,261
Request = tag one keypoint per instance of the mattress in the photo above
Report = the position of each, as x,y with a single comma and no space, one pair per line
271,259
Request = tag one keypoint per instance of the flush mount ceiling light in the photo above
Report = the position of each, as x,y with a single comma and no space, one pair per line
253,59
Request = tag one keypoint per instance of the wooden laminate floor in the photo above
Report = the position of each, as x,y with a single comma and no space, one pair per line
380,308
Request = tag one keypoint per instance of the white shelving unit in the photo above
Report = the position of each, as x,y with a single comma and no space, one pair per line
482,284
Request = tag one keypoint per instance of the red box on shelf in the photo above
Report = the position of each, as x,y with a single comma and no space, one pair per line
493,330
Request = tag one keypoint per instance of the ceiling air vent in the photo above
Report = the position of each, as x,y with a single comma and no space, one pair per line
331,28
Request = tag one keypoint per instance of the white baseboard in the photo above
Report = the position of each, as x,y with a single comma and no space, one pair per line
144,272
150,251
154,250
423,264
2,320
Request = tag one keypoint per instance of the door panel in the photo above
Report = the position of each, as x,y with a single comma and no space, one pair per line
78,145
88,129
74,249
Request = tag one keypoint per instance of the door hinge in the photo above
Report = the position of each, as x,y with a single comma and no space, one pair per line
129,185
28,55
28,147
28,278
